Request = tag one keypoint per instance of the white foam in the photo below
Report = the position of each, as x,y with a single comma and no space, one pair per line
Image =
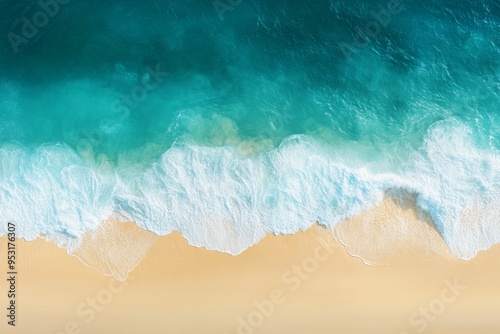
219,199
49,191
459,185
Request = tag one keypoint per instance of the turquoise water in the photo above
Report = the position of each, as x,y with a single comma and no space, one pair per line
261,119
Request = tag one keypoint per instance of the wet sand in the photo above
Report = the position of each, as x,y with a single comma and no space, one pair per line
301,283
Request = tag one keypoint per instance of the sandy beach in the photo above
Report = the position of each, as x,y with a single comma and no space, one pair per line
301,283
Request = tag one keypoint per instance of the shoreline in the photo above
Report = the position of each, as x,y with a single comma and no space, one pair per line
182,289
393,231
393,218
295,283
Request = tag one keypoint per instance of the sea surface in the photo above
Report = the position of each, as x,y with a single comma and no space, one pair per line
227,120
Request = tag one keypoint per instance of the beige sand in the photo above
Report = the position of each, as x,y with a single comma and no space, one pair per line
181,289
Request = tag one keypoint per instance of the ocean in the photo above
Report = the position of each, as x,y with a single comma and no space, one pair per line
227,120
